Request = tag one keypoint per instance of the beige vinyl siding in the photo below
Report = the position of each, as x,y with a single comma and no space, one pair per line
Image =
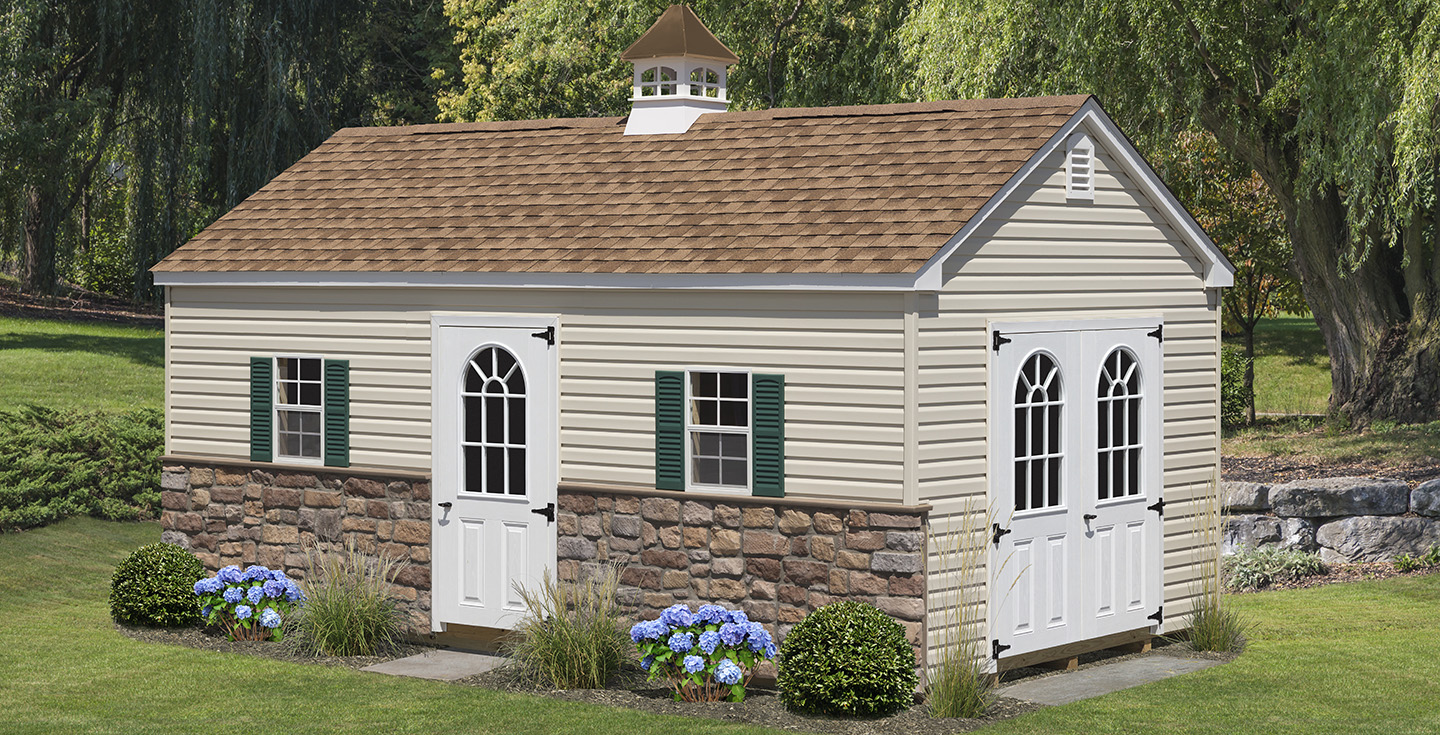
841,354
1040,258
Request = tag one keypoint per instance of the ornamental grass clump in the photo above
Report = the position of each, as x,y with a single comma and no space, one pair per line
707,656
571,635
152,587
350,609
1212,624
959,682
248,605
847,658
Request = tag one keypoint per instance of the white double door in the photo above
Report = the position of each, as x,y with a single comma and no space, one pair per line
494,472
1076,441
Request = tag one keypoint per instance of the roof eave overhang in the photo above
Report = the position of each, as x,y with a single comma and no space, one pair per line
616,281
1218,272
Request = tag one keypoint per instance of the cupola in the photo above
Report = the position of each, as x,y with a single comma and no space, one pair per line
679,74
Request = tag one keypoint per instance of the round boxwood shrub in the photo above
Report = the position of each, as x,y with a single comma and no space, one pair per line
847,658
155,586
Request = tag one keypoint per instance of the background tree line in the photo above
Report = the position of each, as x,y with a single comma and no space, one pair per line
1303,136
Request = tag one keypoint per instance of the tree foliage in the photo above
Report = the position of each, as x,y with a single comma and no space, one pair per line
528,59
1332,103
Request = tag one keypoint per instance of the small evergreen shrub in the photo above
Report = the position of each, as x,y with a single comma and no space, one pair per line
56,464
349,609
571,636
1234,398
154,587
1258,568
847,658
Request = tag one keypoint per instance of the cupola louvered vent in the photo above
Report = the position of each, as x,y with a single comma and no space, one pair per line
1080,168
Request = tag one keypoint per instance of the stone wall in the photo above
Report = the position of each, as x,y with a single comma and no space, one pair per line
776,560
1344,519
237,515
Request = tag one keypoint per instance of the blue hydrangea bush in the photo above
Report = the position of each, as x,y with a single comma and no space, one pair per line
707,656
248,605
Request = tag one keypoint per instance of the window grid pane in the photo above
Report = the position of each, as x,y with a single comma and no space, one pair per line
1039,456
719,422
493,424
1118,433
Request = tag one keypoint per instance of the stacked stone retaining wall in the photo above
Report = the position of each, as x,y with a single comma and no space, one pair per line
777,561
1343,519
237,515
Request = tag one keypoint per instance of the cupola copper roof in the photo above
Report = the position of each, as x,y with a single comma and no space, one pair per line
679,32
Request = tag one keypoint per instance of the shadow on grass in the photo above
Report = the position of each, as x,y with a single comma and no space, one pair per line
144,351
1293,337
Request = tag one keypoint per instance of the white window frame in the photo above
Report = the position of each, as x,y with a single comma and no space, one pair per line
658,85
690,427
1080,144
276,407
1061,451
1143,445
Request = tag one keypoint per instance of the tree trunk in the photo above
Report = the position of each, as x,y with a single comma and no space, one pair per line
1249,328
37,266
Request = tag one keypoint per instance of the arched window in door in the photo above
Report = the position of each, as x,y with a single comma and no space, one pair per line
1039,401
493,416
1118,414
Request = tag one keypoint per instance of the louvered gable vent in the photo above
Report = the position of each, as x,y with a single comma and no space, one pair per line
1080,168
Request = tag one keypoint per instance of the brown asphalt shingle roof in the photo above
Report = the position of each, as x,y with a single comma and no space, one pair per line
874,189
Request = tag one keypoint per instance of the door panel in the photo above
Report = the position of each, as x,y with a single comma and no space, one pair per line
494,468
1074,471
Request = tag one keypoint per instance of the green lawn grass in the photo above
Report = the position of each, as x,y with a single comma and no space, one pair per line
77,365
1360,658
1292,369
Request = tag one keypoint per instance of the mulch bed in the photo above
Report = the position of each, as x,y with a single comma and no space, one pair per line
761,707
208,641
1276,470
78,305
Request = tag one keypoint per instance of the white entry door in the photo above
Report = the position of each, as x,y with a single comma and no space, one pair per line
494,473
1075,417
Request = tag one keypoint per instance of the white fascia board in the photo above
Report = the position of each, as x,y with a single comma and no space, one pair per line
1219,273
621,281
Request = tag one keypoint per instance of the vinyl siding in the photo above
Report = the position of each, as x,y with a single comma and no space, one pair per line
1039,258
841,354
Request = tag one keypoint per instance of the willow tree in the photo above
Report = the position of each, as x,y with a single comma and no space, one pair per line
1332,102
526,59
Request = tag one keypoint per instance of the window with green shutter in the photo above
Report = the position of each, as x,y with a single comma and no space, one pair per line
300,410
721,431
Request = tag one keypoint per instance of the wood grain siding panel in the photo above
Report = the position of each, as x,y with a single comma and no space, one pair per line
842,356
1040,257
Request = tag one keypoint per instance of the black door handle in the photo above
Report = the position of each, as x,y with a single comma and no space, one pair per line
1089,517
446,505
548,511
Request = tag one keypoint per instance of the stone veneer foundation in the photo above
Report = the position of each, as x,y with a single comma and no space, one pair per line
238,514
777,559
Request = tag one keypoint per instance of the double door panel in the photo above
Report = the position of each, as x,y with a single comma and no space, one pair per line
1076,465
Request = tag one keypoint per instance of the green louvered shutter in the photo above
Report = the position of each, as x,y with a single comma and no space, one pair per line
337,413
669,430
768,435
262,417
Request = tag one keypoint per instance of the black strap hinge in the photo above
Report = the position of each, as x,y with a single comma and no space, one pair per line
1158,506
996,339
1158,616
548,335
996,532
548,511
1158,334
996,647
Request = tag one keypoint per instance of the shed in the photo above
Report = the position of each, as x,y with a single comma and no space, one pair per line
755,357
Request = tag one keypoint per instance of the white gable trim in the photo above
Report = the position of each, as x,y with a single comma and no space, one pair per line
630,281
1219,273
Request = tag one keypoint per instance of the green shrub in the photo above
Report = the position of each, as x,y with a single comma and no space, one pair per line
55,464
349,609
571,636
847,658
155,586
1234,398
1257,568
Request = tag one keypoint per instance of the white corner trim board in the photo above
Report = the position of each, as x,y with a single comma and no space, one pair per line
1219,273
